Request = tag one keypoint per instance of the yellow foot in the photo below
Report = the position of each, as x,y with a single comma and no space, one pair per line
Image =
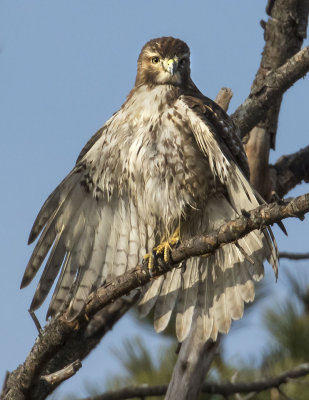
163,249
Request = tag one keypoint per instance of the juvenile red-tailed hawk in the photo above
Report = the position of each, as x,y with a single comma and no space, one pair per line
170,160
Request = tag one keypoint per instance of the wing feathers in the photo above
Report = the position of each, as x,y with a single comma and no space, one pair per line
204,317
55,214
70,268
187,298
92,240
149,298
167,299
53,202
50,272
39,253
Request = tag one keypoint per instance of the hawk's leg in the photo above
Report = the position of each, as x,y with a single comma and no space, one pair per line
163,250
165,246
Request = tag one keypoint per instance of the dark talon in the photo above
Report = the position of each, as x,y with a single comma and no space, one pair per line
245,213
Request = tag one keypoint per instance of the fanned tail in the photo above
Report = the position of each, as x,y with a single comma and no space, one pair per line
213,289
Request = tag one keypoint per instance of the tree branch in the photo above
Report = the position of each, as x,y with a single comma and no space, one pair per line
225,389
276,82
193,363
289,171
284,32
63,374
282,40
224,97
23,381
257,117
294,256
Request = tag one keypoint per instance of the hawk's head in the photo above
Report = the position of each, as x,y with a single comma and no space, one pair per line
164,61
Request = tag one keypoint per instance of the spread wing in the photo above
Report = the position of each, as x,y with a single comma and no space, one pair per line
221,126
214,289
90,230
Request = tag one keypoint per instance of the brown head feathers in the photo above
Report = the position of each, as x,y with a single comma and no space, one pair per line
164,60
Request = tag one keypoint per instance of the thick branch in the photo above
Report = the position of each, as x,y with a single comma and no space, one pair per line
193,363
283,34
290,170
78,344
276,83
48,346
224,389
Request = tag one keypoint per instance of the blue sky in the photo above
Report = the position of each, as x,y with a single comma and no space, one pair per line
65,67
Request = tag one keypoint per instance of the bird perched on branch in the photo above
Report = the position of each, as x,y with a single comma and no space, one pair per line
168,165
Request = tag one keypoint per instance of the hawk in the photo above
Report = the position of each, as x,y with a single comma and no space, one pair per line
168,165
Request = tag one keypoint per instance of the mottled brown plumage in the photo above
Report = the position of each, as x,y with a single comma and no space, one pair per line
169,158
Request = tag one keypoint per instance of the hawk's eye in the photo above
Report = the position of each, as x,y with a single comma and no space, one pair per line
155,60
182,62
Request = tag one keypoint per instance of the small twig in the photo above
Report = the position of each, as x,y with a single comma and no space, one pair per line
294,256
63,374
36,322
225,389
224,97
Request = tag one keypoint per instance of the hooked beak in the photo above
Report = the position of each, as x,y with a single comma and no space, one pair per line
172,66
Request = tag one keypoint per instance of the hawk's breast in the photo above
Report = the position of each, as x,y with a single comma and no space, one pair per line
163,158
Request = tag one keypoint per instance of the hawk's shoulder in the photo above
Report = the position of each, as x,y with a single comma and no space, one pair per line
220,124
90,143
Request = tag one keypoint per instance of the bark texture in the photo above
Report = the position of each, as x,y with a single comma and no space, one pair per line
193,363
289,171
58,346
283,33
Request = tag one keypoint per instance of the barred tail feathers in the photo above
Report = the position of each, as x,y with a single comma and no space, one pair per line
227,276
213,289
